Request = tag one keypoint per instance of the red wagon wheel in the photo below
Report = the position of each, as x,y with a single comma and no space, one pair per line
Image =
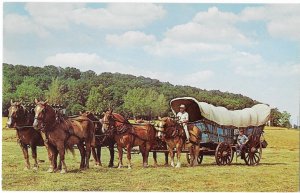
253,151
224,154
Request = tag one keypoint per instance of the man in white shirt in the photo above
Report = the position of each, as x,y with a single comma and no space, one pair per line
183,117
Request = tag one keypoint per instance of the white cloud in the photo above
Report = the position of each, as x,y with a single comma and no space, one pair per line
52,15
212,26
253,65
171,47
213,14
43,17
211,31
119,15
114,16
17,24
130,39
283,21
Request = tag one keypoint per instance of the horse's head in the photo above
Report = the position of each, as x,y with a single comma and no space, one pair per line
107,121
44,114
90,115
163,125
16,114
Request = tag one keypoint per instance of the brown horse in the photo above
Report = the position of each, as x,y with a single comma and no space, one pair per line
22,119
127,136
63,133
172,132
101,139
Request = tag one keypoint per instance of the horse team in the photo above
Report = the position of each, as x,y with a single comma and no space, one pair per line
45,126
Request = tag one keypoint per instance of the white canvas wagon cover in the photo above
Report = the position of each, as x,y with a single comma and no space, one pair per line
255,116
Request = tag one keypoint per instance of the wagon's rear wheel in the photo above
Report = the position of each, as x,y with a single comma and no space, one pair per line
224,154
199,159
253,151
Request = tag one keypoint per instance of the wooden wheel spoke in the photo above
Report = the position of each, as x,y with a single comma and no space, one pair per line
257,156
254,159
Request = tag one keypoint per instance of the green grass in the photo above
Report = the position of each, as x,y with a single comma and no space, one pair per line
278,171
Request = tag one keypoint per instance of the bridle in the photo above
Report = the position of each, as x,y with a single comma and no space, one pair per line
18,115
43,118
163,128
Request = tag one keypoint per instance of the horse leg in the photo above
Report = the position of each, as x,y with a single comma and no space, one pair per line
155,158
143,149
95,156
178,148
61,152
26,156
196,154
112,156
120,151
82,155
147,150
166,158
171,155
50,157
192,155
88,155
99,155
52,154
34,156
55,155
129,155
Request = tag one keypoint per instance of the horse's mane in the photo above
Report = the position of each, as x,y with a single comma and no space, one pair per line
120,118
169,120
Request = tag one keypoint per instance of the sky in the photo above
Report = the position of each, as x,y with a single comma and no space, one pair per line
251,49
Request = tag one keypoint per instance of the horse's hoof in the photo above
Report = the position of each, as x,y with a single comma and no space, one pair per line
50,170
172,165
63,171
129,167
110,166
178,166
155,165
119,167
26,168
35,168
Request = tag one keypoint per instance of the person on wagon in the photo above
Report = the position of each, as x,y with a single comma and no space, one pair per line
183,117
241,141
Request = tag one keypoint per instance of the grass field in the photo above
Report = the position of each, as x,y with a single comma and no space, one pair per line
278,171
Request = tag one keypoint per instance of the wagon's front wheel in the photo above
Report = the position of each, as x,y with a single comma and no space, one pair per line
253,151
224,154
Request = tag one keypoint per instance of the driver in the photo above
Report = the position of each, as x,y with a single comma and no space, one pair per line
183,117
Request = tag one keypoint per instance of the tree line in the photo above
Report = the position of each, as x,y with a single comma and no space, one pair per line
126,94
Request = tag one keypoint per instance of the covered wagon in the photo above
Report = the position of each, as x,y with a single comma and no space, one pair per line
220,129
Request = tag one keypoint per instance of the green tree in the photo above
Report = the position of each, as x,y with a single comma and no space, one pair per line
53,94
140,101
284,120
275,117
97,100
28,90
76,108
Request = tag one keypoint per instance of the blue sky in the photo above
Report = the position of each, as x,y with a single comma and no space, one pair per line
252,49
